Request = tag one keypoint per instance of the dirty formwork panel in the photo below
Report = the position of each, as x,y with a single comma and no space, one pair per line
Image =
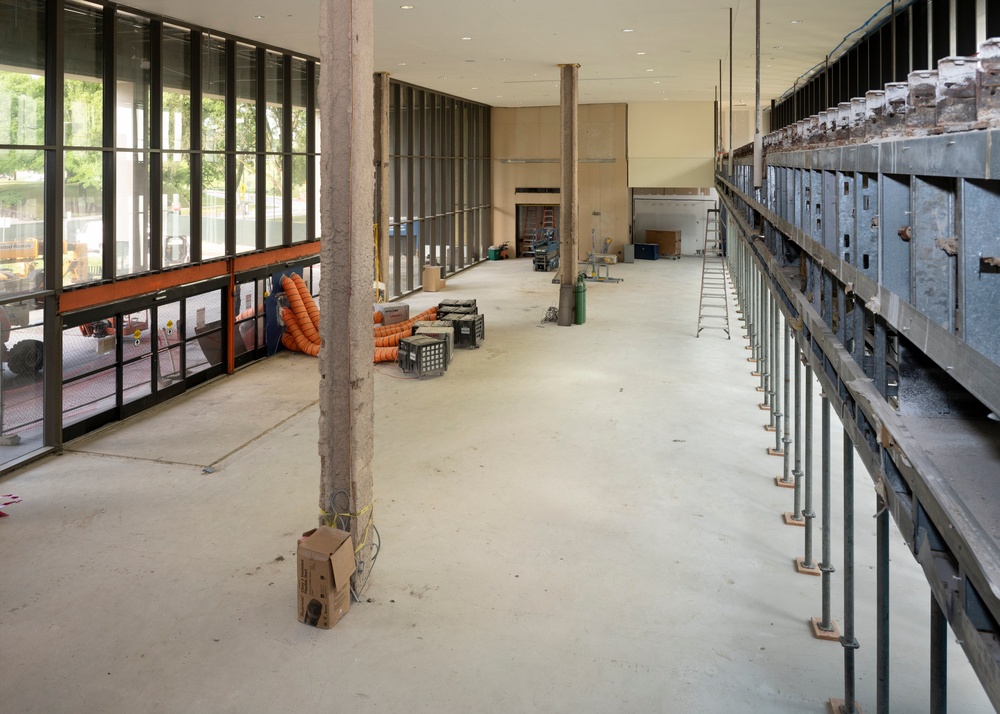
423,355
456,307
470,330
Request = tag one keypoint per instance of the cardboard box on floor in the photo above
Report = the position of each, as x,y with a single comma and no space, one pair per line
325,566
432,280
669,241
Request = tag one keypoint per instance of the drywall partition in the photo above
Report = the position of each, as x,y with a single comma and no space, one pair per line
525,155
670,144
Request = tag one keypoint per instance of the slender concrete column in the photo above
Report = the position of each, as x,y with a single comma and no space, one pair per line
346,390
382,177
568,204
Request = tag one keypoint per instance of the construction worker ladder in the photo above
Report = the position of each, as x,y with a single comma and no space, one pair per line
713,308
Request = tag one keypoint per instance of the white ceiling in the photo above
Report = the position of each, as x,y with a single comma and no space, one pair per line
516,45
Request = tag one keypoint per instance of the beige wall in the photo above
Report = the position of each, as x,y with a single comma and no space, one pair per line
531,134
670,144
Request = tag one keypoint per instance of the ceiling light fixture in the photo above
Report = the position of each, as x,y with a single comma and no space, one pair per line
628,29
466,38
260,17
401,64
406,7
796,22
640,53
649,70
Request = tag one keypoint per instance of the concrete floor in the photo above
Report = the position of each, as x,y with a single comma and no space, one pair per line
572,520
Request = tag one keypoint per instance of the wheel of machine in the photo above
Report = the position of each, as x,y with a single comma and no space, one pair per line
25,358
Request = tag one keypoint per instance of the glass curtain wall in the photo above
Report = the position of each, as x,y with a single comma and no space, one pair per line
439,184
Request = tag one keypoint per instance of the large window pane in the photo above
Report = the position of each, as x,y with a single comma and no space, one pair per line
299,164
132,98
84,81
213,206
176,204
22,70
213,97
83,224
246,98
203,332
246,202
273,207
275,96
22,221
299,90
176,89
132,217
319,144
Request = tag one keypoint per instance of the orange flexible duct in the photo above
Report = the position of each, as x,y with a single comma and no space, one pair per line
393,339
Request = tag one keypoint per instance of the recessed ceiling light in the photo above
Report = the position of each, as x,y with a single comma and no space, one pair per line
796,22
466,38
649,70
401,64
442,78
406,7
475,87
767,65
640,53
260,17
656,81
499,96
628,29
504,59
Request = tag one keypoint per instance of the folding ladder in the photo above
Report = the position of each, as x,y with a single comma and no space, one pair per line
713,308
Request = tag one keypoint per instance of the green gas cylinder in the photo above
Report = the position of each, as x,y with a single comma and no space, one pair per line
580,301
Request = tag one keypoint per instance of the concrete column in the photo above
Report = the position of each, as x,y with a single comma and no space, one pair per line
569,203
346,391
382,177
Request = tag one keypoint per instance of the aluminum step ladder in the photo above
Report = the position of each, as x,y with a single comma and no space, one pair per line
713,307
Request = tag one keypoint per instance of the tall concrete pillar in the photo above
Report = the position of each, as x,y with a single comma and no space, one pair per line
346,390
569,203
382,176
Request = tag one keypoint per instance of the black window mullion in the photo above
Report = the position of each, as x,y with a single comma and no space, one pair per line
993,18
197,184
230,147
261,155
965,28
155,207
55,20
941,30
311,130
286,147
109,130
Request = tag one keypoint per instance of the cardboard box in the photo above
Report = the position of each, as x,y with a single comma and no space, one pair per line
669,241
393,312
432,280
325,566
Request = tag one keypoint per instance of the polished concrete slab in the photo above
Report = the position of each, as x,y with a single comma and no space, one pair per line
572,520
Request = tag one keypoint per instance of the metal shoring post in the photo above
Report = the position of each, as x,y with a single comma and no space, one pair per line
939,659
848,640
786,480
806,564
764,358
825,628
882,600
795,517
774,376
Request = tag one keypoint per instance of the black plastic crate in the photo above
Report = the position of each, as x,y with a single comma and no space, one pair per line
423,355
470,331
